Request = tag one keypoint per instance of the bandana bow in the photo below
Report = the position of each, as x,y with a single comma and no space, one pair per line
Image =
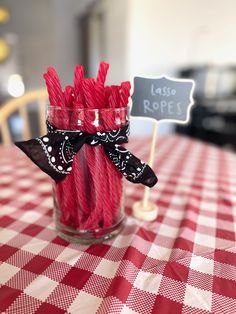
54,153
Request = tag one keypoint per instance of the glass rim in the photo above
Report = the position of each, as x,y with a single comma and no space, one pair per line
120,109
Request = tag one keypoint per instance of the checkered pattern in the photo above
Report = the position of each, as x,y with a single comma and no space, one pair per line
184,262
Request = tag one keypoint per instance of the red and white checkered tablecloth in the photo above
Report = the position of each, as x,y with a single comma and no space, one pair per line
184,262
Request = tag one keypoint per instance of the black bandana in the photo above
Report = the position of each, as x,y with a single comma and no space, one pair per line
54,153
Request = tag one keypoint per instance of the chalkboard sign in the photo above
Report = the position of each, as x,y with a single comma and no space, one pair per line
162,98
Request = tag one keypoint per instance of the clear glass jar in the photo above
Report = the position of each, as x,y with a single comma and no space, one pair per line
89,202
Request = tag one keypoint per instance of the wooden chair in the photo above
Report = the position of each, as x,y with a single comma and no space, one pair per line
20,104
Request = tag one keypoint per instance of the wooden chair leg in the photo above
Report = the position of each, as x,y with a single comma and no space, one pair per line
6,137
26,134
42,117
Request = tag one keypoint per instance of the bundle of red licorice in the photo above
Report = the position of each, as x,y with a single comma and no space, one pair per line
89,197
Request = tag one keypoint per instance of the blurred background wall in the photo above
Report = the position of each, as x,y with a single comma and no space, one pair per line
43,33
158,37
152,38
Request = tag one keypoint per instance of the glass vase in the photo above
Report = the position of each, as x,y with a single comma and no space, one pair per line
89,201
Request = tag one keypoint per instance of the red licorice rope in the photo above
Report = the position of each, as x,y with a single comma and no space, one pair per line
56,98
79,166
102,210
89,197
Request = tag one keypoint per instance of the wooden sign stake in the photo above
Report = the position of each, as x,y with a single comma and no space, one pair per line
160,98
145,210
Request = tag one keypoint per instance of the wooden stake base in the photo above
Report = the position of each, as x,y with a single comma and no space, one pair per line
147,214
